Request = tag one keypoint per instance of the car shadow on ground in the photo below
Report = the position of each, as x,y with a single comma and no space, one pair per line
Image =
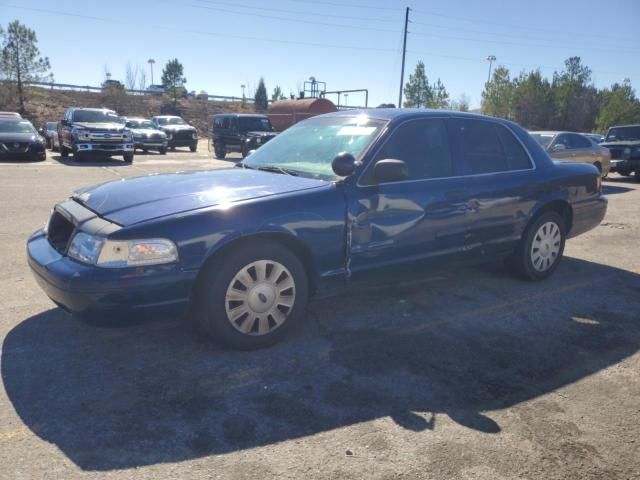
613,189
460,344
70,161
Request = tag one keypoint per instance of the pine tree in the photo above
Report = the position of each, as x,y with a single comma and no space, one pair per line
261,101
173,79
417,91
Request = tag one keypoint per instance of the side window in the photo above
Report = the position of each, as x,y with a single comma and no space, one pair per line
424,146
563,139
517,158
578,141
482,150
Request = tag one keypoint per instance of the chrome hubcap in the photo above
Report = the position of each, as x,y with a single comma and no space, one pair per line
260,297
545,246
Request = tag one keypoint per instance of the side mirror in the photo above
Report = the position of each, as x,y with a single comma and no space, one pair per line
344,164
390,170
559,147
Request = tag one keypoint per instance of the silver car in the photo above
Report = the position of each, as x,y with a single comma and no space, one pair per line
574,147
146,136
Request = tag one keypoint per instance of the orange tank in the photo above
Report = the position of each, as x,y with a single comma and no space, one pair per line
285,113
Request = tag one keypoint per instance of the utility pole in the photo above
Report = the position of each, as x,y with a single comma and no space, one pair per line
404,54
491,59
151,61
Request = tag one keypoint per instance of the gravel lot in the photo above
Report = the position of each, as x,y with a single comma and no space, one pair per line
468,374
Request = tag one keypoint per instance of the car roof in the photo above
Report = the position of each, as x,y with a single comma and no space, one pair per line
93,109
398,114
10,114
167,116
232,114
138,119
632,125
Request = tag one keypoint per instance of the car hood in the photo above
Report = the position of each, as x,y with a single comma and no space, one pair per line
173,128
625,143
144,131
100,126
136,200
18,137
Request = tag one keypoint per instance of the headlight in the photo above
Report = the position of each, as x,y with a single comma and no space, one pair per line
127,136
117,254
83,135
85,247
258,140
194,135
170,136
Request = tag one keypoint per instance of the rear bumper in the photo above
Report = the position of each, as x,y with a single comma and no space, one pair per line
587,214
85,289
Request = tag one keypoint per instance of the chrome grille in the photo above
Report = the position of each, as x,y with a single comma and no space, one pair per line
15,147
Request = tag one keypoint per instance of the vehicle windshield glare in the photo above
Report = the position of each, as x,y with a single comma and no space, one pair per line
620,134
309,147
16,127
543,139
256,124
171,121
96,116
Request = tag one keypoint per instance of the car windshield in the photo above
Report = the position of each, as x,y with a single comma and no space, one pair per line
96,116
141,124
16,127
52,126
171,121
309,147
623,133
256,124
543,139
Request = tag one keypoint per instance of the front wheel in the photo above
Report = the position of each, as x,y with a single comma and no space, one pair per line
193,148
163,150
220,151
540,249
128,157
253,297
64,151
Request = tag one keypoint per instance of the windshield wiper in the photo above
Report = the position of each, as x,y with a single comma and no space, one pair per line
274,168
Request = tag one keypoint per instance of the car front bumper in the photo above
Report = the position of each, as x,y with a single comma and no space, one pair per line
33,152
151,143
625,165
111,149
86,289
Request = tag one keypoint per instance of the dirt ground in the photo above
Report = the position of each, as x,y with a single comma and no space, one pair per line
468,374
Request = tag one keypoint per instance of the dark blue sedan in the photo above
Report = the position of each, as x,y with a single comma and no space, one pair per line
333,201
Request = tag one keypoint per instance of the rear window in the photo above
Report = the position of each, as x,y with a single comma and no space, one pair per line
489,148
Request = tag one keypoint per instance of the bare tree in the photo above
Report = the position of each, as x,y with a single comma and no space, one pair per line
131,76
107,72
142,79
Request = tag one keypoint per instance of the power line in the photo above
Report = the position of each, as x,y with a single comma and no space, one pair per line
148,26
295,20
335,4
296,12
511,25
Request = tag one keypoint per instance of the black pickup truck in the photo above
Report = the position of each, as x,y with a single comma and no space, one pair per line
234,132
624,144
87,132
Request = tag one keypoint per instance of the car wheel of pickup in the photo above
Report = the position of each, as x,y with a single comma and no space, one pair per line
193,148
540,249
163,151
128,157
64,151
254,297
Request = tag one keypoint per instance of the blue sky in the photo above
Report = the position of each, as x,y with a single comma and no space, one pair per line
349,44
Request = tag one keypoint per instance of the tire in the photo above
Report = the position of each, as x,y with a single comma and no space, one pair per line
193,148
598,165
163,151
64,151
624,173
219,285
219,151
128,157
636,176
49,144
244,150
533,263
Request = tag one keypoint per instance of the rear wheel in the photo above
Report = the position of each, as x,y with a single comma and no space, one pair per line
64,151
540,249
253,297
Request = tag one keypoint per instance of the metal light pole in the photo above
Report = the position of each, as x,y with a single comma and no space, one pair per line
151,61
490,59
346,98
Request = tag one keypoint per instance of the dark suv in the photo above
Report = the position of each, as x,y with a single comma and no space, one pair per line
624,144
94,131
179,132
233,132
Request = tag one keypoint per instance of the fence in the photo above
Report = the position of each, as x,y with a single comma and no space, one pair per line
87,88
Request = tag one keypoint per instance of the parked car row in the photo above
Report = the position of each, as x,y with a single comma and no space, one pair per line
88,132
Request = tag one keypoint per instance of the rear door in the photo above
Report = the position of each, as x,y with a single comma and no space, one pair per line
499,185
